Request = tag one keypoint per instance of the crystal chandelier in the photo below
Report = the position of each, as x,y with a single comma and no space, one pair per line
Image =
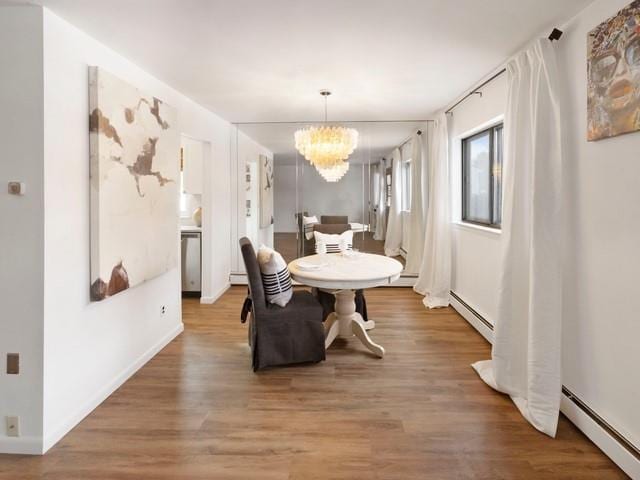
335,173
328,145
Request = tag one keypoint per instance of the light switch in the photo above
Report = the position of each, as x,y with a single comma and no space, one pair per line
13,363
17,188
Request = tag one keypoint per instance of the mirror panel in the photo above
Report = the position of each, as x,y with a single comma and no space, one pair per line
362,197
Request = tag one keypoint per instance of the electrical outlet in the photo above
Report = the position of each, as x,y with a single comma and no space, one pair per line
17,188
13,426
163,309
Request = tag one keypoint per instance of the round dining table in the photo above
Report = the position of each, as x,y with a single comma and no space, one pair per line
342,274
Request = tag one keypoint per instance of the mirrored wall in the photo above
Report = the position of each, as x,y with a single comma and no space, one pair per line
372,199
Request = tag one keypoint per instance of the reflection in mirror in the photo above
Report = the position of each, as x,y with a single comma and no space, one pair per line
371,200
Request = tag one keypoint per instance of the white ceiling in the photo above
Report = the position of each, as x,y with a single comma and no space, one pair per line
266,60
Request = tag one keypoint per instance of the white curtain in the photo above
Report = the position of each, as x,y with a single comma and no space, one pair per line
417,213
434,279
393,239
526,350
380,201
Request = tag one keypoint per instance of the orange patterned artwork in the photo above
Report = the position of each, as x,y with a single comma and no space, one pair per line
613,106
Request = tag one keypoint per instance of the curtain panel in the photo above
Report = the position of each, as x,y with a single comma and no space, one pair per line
434,279
525,361
393,239
418,209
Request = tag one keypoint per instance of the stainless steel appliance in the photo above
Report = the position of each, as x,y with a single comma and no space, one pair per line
191,262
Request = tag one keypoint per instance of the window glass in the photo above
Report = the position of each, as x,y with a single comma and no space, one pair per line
406,185
482,177
477,178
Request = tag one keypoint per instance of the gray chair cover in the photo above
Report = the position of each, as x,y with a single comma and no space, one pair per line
281,336
331,219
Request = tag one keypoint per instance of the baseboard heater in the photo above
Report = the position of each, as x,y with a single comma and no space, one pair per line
617,436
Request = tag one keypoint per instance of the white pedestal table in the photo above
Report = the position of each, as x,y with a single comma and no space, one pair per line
342,275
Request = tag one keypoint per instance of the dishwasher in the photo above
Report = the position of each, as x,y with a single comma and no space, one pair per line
191,263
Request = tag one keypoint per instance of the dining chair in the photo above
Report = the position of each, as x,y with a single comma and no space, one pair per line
280,335
333,219
328,299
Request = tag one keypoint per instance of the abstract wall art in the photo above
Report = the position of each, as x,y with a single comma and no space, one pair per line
266,191
134,150
613,98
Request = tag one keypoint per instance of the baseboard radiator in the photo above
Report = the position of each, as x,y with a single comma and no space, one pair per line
609,429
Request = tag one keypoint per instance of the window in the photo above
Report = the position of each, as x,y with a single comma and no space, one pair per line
482,178
388,186
406,185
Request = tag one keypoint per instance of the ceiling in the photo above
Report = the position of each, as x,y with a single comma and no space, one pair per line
258,60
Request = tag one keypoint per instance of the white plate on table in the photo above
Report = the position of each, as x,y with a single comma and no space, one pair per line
309,267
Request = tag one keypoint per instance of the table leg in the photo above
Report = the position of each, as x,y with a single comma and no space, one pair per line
331,328
346,322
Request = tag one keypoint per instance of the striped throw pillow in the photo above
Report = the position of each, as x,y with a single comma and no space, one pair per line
333,241
276,279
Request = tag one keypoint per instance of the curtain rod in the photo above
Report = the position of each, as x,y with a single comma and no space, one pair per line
419,132
554,35
475,91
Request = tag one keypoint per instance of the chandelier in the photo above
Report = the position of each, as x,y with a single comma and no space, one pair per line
335,173
326,146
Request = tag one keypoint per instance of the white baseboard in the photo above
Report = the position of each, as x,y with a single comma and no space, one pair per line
216,295
594,431
598,435
471,317
21,445
66,426
238,279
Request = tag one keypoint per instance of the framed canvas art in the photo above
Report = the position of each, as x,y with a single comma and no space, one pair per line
613,91
135,152
266,191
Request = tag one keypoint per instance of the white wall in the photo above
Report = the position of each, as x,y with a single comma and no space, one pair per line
601,301
89,348
22,220
602,235
476,252
284,198
244,150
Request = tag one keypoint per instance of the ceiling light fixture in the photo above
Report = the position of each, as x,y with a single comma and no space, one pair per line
327,146
334,174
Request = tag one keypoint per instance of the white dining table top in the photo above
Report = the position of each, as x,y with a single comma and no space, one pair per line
355,271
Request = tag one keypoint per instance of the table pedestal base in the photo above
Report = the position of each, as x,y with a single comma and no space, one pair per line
346,322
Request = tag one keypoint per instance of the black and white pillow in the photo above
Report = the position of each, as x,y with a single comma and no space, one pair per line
276,278
333,241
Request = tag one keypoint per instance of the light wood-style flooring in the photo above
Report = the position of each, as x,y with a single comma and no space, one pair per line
197,411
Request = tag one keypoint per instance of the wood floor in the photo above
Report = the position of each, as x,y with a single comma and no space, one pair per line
197,411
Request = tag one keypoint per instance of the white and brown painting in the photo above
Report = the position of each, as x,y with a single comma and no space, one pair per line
266,191
134,146
614,75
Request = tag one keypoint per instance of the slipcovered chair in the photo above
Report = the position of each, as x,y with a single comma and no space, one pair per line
328,299
332,219
301,233
280,336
